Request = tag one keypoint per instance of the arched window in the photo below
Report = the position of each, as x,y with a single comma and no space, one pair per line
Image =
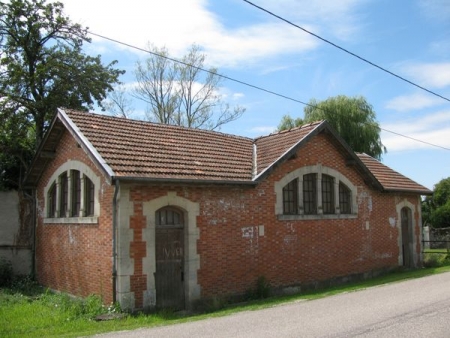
315,192
70,195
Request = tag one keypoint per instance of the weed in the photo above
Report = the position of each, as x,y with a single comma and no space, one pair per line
261,291
434,260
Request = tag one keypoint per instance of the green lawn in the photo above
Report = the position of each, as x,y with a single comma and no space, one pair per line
37,313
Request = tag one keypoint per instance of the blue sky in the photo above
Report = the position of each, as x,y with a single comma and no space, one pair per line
408,37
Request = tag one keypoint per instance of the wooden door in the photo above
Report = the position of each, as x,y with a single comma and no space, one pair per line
406,237
169,276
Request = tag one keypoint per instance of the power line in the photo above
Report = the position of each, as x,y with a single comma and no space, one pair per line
245,83
200,68
346,51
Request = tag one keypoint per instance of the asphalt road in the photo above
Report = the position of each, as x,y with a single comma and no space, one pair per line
414,308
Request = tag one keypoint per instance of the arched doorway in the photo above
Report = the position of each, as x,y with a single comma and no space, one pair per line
407,241
169,247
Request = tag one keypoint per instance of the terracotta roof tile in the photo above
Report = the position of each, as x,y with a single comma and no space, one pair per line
273,146
148,150
389,178
144,150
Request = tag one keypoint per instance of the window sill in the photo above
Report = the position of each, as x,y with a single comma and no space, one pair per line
72,220
315,217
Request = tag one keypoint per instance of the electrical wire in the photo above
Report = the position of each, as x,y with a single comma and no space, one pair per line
347,51
246,84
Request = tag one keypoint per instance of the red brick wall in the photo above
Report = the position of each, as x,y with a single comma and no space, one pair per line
289,252
75,258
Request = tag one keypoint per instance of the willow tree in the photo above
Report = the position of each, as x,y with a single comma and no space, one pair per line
352,117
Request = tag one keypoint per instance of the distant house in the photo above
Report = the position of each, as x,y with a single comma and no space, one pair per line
153,215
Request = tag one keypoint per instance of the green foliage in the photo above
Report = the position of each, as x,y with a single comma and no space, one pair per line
434,260
287,122
352,117
38,316
440,216
436,208
42,68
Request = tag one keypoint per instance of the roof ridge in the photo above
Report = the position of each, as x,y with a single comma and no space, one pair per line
156,124
290,129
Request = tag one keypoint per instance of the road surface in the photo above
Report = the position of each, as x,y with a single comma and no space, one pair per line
414,308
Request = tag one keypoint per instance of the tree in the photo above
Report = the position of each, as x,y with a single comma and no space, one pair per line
287,122
42,67
436,209
182,93
118,103
352,117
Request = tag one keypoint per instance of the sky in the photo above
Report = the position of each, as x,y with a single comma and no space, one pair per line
410,38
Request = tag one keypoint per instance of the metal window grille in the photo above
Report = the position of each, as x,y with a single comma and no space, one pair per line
310,194
290,193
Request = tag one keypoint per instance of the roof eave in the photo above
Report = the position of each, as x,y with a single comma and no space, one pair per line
287,154
37,157
85,143
410,191
182,180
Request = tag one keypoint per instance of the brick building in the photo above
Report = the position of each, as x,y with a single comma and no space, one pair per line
155,215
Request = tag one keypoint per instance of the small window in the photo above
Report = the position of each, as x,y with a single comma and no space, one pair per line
344,199
169,216
290,193
76,193
64,183
51,197
309,194
89,197
327,194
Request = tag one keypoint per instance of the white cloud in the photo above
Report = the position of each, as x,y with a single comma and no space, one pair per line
429,74
339,18
432,129
178,24
413,102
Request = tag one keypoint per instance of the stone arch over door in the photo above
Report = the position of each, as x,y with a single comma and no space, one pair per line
407,239
190,210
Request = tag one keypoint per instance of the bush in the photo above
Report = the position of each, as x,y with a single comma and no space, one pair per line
434,260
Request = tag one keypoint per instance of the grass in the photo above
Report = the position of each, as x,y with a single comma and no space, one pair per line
26,310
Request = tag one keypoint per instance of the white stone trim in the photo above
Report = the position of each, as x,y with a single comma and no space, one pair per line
191,235
319,170
84,170
407,204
